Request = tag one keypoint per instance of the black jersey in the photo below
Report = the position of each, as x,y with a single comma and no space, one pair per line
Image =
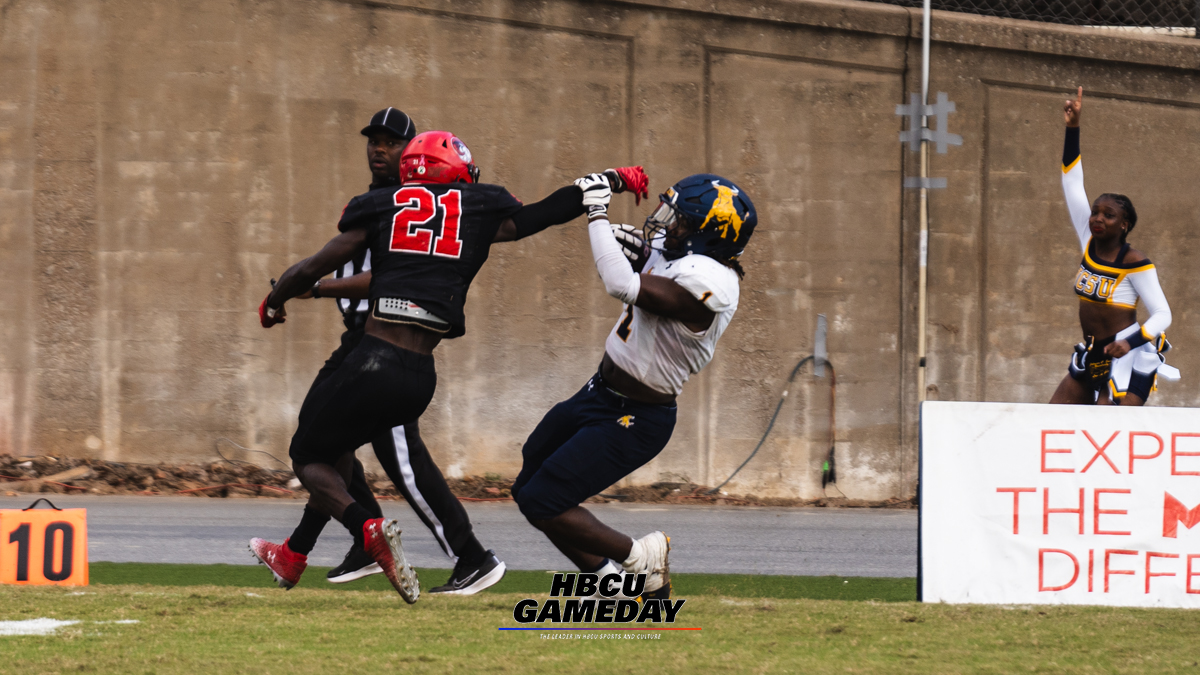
428,241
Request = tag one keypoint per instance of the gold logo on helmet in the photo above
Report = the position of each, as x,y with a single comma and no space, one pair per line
724,213
626,421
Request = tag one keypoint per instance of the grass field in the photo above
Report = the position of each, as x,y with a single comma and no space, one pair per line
516,581
184,618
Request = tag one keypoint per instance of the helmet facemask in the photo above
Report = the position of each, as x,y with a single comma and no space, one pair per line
661,222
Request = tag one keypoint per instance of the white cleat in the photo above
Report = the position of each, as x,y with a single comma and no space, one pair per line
610,567
649,556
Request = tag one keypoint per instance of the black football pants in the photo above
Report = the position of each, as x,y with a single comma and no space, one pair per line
406,461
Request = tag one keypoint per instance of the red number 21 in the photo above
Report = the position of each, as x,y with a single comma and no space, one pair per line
416,221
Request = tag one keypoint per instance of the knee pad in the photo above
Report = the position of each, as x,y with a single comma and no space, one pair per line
532,503
527,506
521,496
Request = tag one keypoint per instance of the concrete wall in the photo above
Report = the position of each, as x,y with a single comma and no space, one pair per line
159,162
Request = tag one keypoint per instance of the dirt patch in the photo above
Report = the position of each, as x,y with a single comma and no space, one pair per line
690,493
98,477
68,475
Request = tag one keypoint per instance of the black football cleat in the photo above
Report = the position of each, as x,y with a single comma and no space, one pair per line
470,580
356,565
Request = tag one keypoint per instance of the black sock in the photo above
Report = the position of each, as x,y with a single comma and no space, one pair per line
603,562
471,553
304,538
361,491
354,517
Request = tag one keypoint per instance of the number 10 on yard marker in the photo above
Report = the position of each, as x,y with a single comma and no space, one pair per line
44,547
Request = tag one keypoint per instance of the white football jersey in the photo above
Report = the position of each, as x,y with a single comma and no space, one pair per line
663,353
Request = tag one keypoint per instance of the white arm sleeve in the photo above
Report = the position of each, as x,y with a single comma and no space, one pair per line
1077,201
618,276
1147,287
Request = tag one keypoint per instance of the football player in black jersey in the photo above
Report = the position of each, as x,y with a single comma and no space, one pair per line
428,239
401,451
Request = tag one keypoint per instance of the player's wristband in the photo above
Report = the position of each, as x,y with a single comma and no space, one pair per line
316,289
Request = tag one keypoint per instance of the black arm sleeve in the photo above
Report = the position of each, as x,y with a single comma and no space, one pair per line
1071,146
563,205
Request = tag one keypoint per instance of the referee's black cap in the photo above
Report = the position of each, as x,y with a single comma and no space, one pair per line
392,121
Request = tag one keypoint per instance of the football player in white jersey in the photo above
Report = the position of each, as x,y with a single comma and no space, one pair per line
680,283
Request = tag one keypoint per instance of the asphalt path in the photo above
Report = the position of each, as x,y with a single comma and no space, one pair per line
718,539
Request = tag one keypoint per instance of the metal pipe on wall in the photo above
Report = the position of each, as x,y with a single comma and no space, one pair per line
924,215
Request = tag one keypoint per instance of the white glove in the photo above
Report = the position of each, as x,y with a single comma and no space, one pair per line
596,194
632,245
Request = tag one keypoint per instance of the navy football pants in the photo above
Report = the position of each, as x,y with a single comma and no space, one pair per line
584,445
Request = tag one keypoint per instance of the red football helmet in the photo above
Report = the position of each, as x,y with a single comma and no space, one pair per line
437,157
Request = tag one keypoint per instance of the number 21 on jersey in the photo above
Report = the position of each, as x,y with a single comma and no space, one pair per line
422,214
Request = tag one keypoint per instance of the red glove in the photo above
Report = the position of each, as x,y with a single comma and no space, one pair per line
629,179
269,317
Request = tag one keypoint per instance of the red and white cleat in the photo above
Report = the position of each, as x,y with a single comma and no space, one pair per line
382,540
284,563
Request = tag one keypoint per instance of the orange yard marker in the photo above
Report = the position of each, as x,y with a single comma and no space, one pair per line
43,547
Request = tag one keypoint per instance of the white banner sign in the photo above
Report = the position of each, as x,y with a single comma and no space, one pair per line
1082,505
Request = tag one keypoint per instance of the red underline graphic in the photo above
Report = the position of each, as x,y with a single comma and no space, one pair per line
620,629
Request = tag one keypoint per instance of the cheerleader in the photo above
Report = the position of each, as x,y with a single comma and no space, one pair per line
1119,360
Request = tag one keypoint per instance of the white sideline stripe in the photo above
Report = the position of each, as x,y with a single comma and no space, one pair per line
400,440
33,626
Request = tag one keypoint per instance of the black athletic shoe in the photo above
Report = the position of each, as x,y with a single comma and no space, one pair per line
357,564
470,580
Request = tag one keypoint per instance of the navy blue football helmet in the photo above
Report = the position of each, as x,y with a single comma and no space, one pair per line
720,218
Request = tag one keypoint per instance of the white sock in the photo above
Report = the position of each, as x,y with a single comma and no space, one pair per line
636,552
609,567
